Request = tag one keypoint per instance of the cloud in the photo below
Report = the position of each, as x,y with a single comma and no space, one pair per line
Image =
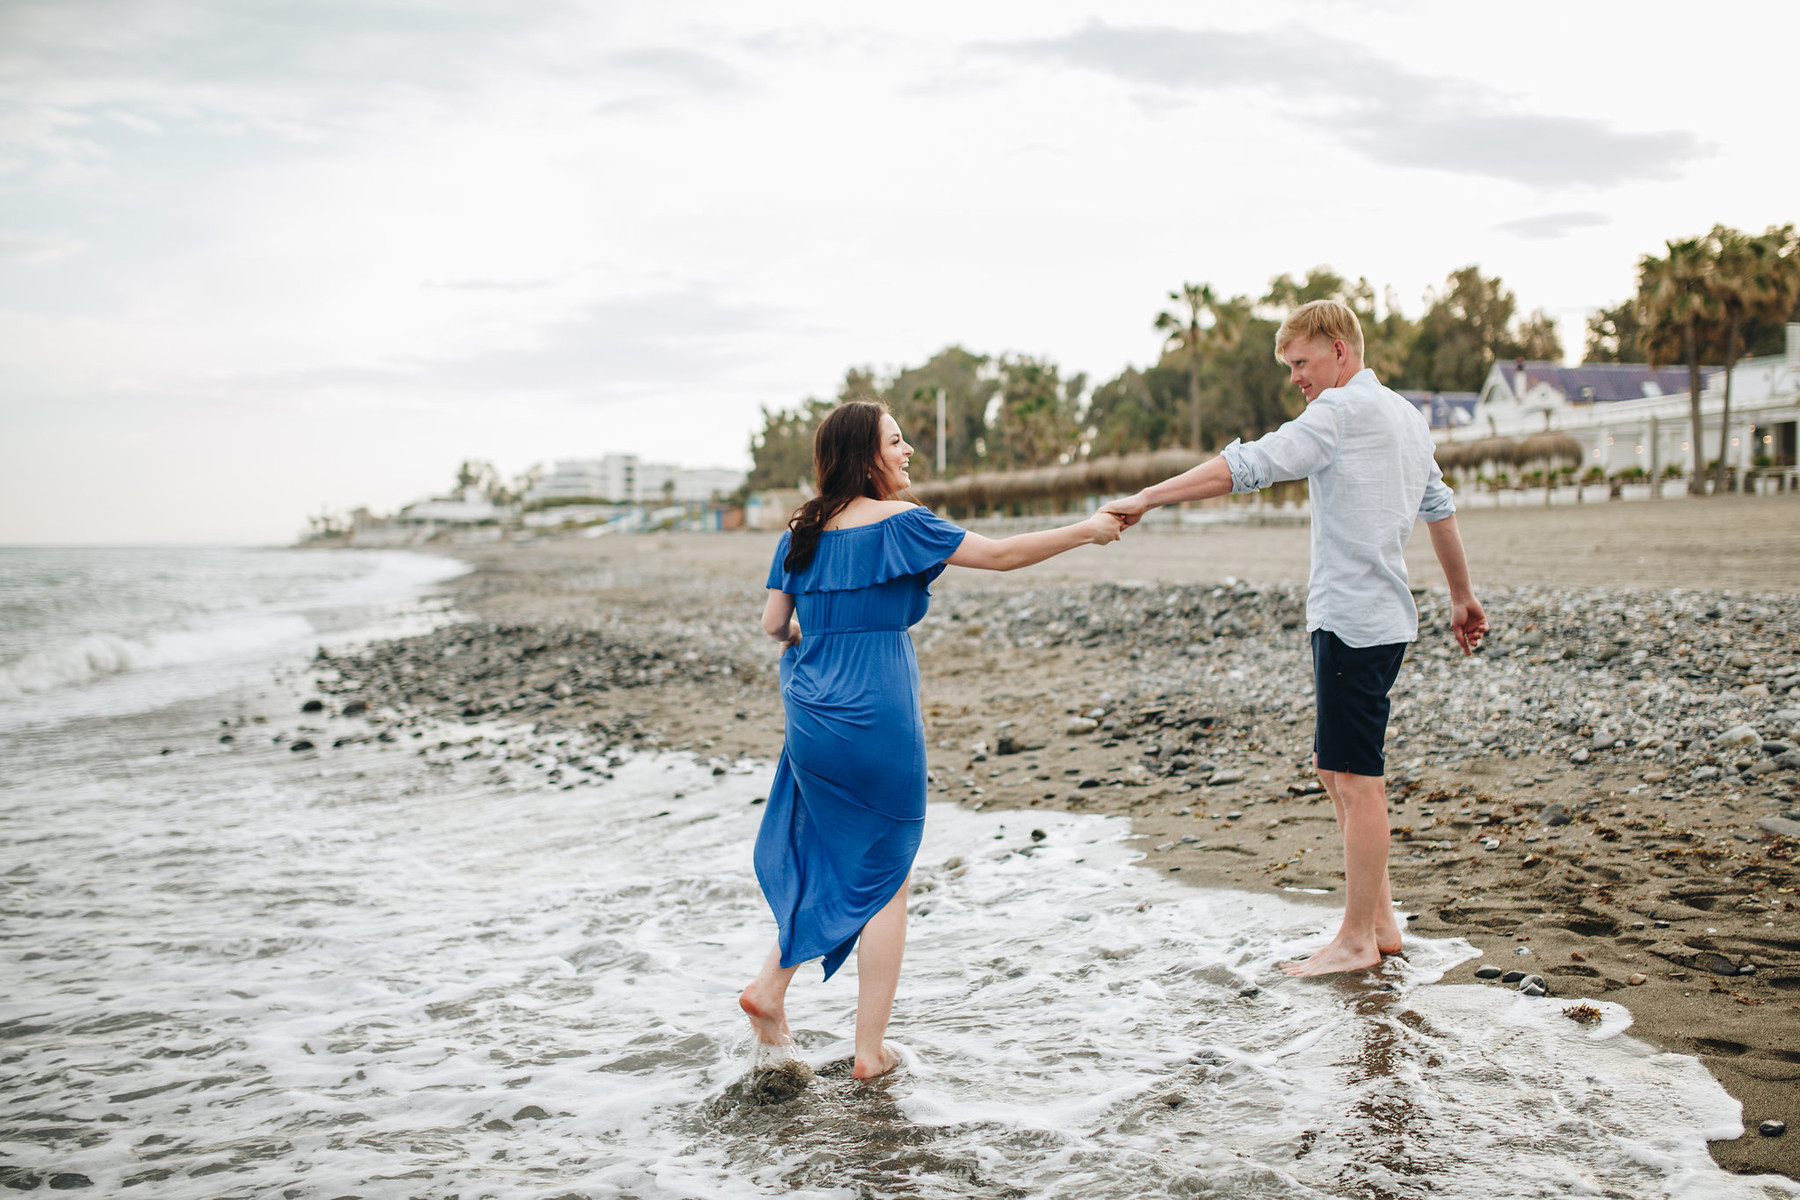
1553,225
676,342
1395,116
33,247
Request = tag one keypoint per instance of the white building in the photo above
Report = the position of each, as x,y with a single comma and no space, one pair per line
1628,415
623,479
612,479
660,482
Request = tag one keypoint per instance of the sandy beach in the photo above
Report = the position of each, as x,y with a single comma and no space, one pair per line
1598,798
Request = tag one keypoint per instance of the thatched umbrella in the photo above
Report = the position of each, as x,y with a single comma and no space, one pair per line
1549,448
1109,474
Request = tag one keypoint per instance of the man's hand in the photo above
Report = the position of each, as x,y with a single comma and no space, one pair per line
1129,510
1468,623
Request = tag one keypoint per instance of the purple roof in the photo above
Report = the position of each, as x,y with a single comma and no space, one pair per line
1601,382
1442,409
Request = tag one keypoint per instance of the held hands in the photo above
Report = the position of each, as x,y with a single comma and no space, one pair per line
1104,527
1468,623
792,639
1129,509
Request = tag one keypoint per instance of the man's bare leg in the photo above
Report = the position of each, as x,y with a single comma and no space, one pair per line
878,955
1387,925
765,1001
1361,804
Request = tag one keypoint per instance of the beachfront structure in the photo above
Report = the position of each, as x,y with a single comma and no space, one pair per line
612,479
1629,415
624,479
660,482
1443,410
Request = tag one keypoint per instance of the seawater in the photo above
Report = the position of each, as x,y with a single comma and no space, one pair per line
422,968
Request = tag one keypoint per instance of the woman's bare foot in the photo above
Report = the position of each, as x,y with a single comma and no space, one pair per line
867,1068
768,1020
1387,938
1337,957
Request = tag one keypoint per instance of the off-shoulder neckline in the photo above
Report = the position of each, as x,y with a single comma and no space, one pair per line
873,524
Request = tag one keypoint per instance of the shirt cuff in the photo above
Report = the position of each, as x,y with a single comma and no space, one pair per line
1246,475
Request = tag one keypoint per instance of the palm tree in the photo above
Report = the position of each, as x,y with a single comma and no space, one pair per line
1754,279
1184,332
1674,300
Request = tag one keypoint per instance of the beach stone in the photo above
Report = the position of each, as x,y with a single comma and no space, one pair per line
1603,741
1789,759
1779,826
1038,835
1080,725
1776,748
1739,735
1772,1128
1638,979
1487,972
356,708
1741,661
312,706
1580,756
531,1112
1754,690
302,744
1534,985
1762,767
1704,774
1221,778
1513,976
1554,814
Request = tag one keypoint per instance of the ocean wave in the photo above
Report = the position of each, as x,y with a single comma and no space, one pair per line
96,655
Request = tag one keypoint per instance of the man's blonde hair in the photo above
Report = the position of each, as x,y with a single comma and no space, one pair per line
1328,320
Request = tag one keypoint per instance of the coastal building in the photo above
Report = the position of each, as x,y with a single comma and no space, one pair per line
612,479
624,479
1443,410
1630,415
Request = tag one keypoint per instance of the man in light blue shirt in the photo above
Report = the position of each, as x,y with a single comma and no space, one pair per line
1366,455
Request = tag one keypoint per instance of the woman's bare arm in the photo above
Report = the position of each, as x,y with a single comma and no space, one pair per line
1024,549
778,620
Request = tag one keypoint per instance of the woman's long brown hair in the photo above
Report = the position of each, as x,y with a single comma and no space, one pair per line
846,458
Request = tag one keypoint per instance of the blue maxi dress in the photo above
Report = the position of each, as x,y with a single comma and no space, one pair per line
847,808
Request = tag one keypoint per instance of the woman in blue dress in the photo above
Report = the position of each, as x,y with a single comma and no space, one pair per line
847,807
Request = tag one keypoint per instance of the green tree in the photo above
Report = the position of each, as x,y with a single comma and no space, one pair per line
1036,422
1615,335
1138,410
1463,331
781,454
1536,339
1752,278
1185,330
1675,301
968,387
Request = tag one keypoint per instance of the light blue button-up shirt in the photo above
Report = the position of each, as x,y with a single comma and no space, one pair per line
1366,455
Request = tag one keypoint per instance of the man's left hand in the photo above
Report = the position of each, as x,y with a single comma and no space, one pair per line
1468,623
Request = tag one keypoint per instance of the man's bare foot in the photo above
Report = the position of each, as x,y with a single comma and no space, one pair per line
867,1068
1335,958
769,1021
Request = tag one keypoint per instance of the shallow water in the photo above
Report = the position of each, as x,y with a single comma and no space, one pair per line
236,971
430,968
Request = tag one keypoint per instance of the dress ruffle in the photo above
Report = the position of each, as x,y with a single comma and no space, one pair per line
914,542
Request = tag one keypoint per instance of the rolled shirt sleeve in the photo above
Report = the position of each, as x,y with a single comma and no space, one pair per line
1296,450
1439,501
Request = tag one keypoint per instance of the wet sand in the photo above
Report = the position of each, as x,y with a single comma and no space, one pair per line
1586,792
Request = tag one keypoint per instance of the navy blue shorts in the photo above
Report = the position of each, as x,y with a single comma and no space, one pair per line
1350,690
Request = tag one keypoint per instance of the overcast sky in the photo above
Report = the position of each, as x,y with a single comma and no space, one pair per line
256,259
